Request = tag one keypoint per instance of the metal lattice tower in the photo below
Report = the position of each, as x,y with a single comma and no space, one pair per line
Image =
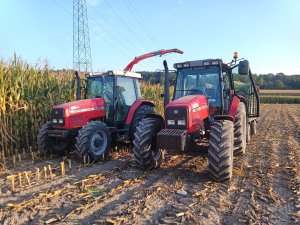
82,60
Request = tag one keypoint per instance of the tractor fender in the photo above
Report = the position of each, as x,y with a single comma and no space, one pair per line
224,117
157,116
134,107
234,106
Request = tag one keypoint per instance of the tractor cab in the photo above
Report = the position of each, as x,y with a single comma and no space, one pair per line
215,103
218,82
118,89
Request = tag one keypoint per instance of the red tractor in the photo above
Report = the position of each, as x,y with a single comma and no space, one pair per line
109,114
212,101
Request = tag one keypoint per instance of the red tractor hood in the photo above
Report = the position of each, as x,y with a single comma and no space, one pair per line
77,113
82,105
189,101
197,111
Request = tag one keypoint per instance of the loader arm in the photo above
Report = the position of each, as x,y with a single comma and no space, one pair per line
150,54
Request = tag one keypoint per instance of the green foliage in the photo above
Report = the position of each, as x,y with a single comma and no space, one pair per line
280,99
278,81
27,95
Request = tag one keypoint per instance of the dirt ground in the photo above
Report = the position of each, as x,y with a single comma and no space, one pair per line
265,188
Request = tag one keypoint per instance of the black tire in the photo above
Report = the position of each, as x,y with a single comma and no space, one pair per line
240,130
220,151
48,144
146,154
93,140
139,114
253,128
248,133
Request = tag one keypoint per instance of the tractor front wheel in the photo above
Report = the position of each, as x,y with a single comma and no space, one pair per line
48,144
140,114
146,154
93,140
220,151
240,130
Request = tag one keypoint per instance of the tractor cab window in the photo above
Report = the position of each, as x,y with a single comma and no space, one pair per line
94,88
226,87
199,80
138,88
244,87
126,96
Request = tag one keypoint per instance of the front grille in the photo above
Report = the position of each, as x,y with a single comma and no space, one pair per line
177,113
56,115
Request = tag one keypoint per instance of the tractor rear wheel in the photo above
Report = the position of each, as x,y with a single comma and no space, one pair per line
140,114
48,144
240,130
253,127
93,140
146,154
220,151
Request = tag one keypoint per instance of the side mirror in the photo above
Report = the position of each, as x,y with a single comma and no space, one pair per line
244,67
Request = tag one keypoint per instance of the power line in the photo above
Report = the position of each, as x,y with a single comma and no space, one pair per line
60,6
68,12
125,24
114,27
139,19
113,36
102,37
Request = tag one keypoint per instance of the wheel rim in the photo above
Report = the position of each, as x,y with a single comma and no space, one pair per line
99,142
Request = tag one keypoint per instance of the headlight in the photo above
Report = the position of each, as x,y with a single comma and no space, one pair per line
171,122
60,121
181,122
54,121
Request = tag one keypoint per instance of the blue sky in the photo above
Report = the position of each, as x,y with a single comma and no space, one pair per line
266,32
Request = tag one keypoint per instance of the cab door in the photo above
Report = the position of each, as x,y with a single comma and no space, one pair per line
125,97
245,87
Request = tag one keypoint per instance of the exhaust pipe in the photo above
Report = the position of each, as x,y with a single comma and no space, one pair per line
78,89
166,85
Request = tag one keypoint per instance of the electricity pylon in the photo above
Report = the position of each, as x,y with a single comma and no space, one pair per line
82,60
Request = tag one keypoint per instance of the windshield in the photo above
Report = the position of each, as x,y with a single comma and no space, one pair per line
100,87
94,87
199,80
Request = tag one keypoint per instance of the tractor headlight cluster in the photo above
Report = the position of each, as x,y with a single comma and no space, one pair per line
177,118
171,122
181,122
57,116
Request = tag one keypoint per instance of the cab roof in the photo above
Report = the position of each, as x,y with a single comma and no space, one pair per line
196,63
118,73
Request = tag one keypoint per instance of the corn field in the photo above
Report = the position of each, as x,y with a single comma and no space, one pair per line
27,94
